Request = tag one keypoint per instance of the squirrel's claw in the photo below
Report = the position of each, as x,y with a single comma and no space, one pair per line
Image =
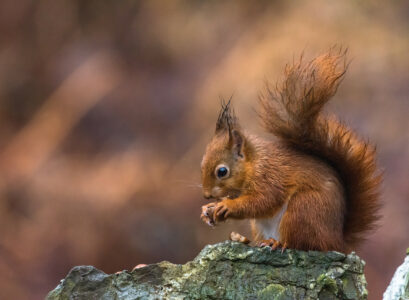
284,247
278,244
264,243
273,243
221,212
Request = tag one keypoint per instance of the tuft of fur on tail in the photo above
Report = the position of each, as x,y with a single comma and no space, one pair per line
292,111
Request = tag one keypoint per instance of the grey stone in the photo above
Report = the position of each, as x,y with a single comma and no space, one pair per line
398,289
227,270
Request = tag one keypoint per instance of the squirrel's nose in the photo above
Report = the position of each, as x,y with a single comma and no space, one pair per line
207,195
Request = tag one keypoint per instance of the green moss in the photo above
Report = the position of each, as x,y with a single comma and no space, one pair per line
328,283
326,295
272,291
349,289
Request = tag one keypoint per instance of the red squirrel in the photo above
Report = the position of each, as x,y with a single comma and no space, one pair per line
315,187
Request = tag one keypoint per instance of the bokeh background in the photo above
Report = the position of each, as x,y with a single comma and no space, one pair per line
106,107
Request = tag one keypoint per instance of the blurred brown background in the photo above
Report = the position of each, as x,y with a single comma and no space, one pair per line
106,107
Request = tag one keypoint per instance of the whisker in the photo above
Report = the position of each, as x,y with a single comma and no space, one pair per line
195,186
188,183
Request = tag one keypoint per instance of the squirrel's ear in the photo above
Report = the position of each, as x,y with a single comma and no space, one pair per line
237,143
227,119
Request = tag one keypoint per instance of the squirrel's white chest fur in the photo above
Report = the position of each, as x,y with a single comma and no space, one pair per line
269,227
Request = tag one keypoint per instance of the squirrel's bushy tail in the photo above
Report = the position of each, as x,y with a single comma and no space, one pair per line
292,112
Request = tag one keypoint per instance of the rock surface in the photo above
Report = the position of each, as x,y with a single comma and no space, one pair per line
399,286
227,270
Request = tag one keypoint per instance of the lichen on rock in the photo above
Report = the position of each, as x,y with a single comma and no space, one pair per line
227,270
399,286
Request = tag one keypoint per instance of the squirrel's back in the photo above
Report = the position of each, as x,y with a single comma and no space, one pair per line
292,111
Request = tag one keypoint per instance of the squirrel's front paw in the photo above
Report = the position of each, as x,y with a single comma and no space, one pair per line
207,213
221,212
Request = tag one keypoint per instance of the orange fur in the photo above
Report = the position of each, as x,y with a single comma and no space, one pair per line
318,169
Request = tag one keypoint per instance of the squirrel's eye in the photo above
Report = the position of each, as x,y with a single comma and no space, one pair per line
222,171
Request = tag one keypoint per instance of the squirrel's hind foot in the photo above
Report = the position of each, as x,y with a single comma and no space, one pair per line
273,243
265,243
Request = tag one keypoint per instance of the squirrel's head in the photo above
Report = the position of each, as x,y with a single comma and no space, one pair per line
224,164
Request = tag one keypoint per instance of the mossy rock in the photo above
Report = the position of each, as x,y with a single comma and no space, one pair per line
227,270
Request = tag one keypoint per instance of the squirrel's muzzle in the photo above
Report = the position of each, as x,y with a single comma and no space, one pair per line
207,195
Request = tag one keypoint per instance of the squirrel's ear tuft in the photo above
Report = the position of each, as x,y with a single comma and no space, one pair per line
227,120
237,143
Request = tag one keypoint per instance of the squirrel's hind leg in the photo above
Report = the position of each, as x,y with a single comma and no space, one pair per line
274,244
313,221
261,241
